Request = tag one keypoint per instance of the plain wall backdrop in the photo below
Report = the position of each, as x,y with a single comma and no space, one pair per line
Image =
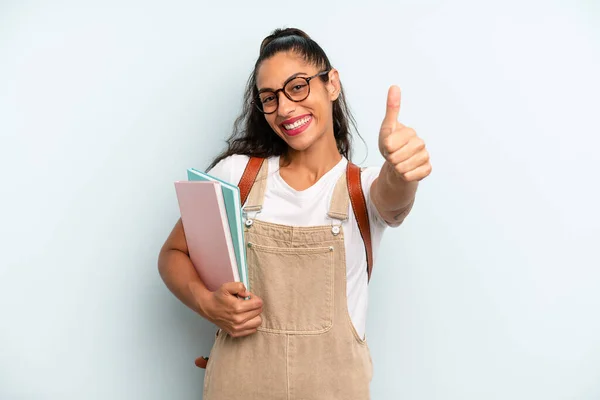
489,290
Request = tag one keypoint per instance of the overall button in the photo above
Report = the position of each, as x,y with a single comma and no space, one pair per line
249,223
335,230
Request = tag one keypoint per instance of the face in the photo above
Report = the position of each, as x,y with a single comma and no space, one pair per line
305,123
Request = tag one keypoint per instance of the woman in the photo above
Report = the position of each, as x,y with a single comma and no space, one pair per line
300,335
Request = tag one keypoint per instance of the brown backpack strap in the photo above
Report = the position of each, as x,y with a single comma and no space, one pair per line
359,205
201,362
248,177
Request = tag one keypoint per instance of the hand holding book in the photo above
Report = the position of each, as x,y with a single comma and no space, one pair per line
226,308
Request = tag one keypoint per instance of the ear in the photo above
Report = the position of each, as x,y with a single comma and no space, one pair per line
333,85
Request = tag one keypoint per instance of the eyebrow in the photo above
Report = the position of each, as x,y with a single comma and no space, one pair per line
286,81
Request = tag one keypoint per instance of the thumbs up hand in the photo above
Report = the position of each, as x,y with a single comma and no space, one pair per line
400,146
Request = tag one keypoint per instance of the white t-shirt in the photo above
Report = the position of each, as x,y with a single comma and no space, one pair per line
285,205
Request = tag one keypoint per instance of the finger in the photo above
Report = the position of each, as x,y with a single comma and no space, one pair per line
397,140
418,173
247,327
414,162
243,333
392,110
253,323
242,312
252,304
405,148
243,318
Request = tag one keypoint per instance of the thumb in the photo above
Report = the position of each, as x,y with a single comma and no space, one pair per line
392,110
235,288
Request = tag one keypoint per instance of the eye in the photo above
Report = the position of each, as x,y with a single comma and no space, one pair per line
298,87
267,99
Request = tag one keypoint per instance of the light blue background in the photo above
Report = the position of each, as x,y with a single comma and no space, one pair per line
491,288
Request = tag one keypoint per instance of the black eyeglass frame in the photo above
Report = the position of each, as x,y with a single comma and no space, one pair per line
276,92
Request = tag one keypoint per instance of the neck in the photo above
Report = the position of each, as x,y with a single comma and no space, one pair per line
316,160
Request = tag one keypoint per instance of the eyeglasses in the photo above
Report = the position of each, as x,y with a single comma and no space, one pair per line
296,89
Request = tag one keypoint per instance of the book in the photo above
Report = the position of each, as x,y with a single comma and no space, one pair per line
207,232
231,195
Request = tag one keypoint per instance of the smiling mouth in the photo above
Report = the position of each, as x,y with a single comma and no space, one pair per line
297,124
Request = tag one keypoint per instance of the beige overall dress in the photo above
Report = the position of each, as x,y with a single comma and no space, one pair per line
307,347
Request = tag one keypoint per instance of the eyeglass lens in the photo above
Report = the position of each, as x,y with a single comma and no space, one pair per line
296,90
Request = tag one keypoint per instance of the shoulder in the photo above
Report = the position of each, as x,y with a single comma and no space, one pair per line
230,169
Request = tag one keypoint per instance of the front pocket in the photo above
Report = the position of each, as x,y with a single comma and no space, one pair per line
296,286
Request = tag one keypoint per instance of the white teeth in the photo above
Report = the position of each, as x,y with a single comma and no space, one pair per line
297,124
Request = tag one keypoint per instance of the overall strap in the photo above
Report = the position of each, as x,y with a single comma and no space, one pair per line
359,206
338,206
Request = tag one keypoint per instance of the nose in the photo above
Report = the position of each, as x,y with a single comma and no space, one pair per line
284,105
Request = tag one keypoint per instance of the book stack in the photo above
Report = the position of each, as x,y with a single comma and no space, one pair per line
211,214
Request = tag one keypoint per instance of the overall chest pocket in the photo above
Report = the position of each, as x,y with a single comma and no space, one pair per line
296,285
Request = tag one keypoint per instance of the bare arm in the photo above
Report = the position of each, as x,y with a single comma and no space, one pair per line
393,197
222,307
406,163
178,273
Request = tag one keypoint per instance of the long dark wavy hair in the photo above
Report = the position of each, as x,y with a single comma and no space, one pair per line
252,135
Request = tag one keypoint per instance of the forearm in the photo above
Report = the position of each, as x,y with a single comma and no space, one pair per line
393,197
180,276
